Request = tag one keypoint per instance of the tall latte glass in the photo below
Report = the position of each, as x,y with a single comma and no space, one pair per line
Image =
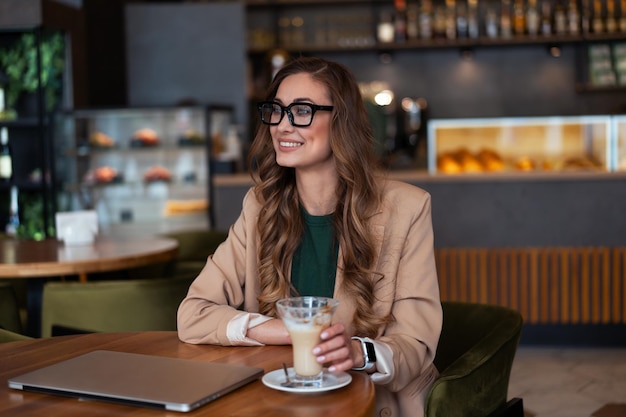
305,318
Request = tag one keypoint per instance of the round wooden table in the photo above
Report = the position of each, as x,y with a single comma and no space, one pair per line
50,257
255,399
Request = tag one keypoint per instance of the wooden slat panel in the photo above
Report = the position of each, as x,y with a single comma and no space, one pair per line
615,275
513,290
473,275
595,287
564,278
524,300
606,286
462,282
577,259
554,285
534,286
493,273
454,275
503,278
484,290
586,286
547,285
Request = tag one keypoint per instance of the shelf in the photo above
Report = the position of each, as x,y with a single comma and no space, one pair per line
22,185
292,3
480,42
585,88
431,44
24,122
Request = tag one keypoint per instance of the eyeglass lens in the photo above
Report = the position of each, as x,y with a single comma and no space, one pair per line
300,114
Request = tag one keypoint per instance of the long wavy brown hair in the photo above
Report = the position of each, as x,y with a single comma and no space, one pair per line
280,222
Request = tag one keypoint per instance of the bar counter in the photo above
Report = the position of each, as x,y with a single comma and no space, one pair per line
573,208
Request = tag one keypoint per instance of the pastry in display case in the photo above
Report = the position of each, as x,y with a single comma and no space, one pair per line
144,170
529,144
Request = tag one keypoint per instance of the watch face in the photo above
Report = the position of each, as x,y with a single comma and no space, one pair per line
371,353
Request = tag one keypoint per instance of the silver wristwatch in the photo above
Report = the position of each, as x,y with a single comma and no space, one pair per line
369,354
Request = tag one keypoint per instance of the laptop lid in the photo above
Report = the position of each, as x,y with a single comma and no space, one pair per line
136,379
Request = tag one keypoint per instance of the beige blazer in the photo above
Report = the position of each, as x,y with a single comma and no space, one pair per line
409,291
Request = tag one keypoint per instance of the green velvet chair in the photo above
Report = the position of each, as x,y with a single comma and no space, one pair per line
7,336
112,306
474,358
9,308
194,246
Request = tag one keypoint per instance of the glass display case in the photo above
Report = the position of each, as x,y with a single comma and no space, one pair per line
142,170
537,144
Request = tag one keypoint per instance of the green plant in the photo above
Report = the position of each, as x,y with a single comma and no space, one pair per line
19,63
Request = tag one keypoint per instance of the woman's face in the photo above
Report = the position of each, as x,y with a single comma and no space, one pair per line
304,148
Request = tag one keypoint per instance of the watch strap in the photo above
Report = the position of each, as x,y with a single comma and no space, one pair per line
369,354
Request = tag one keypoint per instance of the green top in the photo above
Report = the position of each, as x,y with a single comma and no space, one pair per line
315,262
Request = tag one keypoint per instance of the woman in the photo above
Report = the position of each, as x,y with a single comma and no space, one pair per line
318,222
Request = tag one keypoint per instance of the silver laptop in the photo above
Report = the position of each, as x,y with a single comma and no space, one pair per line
134,379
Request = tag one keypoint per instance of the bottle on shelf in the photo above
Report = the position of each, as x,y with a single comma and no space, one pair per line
439,22
491,22
585,16
611,21
385,30
573,18
598,22
506,25
426,20
546,18
450,19
399,23
13,221
532,18
6,164
519,18
412,18
462,20
473,19
622,16
560,19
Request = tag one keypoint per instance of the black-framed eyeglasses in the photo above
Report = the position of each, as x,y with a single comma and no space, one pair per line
299,114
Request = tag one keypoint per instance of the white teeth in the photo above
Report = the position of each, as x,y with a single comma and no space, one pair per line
290,144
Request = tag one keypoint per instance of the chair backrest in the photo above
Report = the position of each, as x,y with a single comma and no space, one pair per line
197,245
112,306
194,246
9,308
474,357
8,336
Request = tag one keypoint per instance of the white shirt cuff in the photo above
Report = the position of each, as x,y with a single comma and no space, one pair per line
238,326
384,363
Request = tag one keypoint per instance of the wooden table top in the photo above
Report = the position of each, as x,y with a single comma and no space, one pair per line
50,257
254,399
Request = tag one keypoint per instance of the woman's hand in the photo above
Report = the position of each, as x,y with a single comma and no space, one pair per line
338,349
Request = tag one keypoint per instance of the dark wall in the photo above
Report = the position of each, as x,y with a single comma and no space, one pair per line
105,52
187,53
495,82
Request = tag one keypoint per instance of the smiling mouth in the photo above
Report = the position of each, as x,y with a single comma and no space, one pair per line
290,144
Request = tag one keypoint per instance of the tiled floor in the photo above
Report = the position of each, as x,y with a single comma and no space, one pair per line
570,382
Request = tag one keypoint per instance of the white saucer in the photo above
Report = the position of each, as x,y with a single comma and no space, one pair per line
331,381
